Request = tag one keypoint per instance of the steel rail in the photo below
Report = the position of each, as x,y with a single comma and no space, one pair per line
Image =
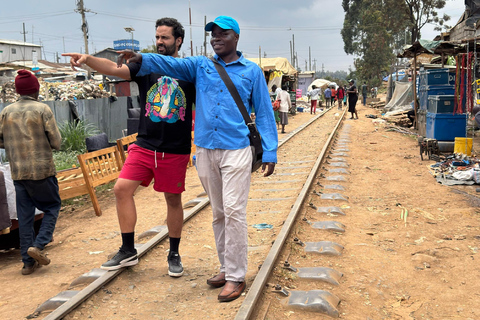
249,304
93,287
64,309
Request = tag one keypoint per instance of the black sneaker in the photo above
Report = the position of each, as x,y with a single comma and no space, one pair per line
175,267
120,260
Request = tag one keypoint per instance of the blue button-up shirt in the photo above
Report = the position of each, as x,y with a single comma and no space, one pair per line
218,121
328,93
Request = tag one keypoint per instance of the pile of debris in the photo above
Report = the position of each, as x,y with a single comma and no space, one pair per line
59,91
7,93
377,105
399,118
457,169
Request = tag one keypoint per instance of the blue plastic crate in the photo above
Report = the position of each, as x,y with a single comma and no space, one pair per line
441,104
425,91
445,126
436,77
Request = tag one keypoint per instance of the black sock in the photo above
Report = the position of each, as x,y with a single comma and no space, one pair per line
174,244
128,241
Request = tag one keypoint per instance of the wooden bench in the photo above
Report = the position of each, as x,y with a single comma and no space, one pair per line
123,144
71,183
99,167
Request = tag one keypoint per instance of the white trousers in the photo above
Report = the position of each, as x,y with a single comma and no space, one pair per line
225,176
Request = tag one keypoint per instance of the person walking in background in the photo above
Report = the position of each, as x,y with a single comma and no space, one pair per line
28,133
352,98
364,93
314,95
285,105
162,149
328,96
340,96
334,95
273,97
276,90
224,156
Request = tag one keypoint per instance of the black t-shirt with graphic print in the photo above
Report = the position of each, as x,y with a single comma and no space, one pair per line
166,112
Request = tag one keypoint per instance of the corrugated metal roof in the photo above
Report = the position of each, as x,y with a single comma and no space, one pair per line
19,43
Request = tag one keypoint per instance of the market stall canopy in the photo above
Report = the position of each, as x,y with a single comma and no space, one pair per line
319,83
428,46
280,64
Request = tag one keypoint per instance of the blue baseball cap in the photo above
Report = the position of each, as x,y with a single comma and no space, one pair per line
224,22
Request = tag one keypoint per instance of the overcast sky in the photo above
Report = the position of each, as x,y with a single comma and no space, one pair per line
315,24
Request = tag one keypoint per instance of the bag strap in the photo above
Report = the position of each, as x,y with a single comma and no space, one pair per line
232,89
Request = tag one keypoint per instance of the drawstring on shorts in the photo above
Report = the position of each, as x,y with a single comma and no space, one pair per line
163,156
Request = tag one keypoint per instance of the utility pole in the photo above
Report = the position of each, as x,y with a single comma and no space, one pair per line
293,50
309,59
24,40
32,34
190,15
306,64
315,65
260,56
205,37
291,53
81,9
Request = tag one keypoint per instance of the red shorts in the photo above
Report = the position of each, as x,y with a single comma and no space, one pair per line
167,169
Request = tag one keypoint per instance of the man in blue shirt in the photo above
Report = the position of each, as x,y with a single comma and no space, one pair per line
328,96
221,136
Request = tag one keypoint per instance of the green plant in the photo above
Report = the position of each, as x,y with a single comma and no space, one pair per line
65,159
74,134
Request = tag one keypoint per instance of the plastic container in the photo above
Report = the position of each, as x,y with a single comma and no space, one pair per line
463,145
445,126
299,109
436,77
437,90
441,104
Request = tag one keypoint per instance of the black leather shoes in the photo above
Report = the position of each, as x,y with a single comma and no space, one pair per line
231,291
217,281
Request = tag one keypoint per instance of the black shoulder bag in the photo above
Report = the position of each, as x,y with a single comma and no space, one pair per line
255,139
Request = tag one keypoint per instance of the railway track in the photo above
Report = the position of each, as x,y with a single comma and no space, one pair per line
274,205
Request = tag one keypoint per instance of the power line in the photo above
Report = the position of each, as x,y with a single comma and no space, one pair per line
34,15
31,18
201,25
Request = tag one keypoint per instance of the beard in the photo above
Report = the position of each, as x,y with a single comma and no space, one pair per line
166,50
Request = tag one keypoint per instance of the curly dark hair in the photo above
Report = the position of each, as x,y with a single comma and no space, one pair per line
178,31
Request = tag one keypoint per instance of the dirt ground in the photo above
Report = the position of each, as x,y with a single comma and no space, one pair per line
424,268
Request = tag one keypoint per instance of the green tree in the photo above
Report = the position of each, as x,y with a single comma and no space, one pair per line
421,12
369,31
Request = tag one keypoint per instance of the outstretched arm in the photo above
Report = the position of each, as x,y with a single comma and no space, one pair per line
102,65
